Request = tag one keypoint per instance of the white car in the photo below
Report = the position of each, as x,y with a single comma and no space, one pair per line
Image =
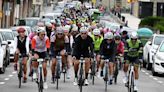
149,49
158,60
9,36
51,16
2,60
29,21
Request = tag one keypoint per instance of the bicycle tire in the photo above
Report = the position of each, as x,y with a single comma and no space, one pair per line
81,81
106,78
132,82
93,72
57,83
41,82
116,73
20,75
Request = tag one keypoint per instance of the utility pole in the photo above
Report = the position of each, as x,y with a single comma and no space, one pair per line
1,13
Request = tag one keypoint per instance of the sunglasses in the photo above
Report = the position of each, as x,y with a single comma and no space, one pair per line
134,39
59,34
83,33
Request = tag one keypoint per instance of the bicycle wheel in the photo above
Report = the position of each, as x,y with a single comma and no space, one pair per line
106,78
131,83
81,81
41,81
116,73
20,75
93,72
57,83
57,75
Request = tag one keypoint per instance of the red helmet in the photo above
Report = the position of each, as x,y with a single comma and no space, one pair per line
21,30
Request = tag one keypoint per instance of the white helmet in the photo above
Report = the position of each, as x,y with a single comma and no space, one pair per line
96,31
108,35
48,24
83,29
41,29
75,28
59,30
134,35
53,21
66,28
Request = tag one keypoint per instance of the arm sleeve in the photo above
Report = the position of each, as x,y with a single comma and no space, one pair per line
91,47
33,44
27,45
48,43
125,50
114,52
101,47
15,46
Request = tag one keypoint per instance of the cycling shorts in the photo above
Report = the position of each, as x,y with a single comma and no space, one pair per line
128,60
79,54
42,55
55,53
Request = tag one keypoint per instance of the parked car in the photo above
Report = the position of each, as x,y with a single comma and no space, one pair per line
158,60
9,36
51,16
29,21
149,49
5,59
27,28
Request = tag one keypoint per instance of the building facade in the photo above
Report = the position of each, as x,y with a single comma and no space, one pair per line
144,8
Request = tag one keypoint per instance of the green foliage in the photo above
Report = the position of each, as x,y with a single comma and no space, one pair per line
156,23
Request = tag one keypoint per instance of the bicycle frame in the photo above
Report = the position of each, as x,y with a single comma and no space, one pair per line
58,69
81,74
131,78
40,75
20,70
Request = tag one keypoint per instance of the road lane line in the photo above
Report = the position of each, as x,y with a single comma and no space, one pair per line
155,78
143,71
14,72
1,83
147,73
6,78
160,82
150,76
10,75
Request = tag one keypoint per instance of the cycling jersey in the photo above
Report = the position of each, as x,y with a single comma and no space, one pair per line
22,45
133,50
120,48
108,50
39,45
83,47
97,42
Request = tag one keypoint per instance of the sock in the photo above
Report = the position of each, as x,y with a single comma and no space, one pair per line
135,82
86,76
75,74
125,73
111,77
45,79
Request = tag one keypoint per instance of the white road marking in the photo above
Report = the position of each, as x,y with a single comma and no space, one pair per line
14,72
147,73
2,83
6,78
10,75
155,78
143,71
160,82
150,76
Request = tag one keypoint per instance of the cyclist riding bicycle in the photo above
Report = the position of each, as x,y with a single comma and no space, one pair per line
58,45
97,39
108,50
21,47
40,49
120,45
82,47
133,53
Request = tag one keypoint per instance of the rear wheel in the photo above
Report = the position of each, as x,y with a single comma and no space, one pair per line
2,69
153,72
148,65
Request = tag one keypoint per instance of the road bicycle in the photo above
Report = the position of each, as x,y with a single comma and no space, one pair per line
93,70
20,69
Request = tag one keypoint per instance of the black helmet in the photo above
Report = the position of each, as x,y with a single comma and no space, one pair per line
117,37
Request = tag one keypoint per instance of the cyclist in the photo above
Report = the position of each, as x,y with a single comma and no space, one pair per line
58,41
124,36
97,39
108,50
133,53
48,29
82,47
40,48
21,47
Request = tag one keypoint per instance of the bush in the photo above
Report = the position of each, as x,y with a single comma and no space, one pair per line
156,23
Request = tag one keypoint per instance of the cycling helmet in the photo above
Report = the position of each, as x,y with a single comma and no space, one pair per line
96,32
108,35
83,29
124,32
117,37
66,28
59,30
53,21
21,30
134,35
75,28
41,29
48,24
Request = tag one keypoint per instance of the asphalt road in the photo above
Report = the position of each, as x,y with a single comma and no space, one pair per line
147,83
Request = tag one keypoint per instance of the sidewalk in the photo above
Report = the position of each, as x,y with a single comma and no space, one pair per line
133,22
